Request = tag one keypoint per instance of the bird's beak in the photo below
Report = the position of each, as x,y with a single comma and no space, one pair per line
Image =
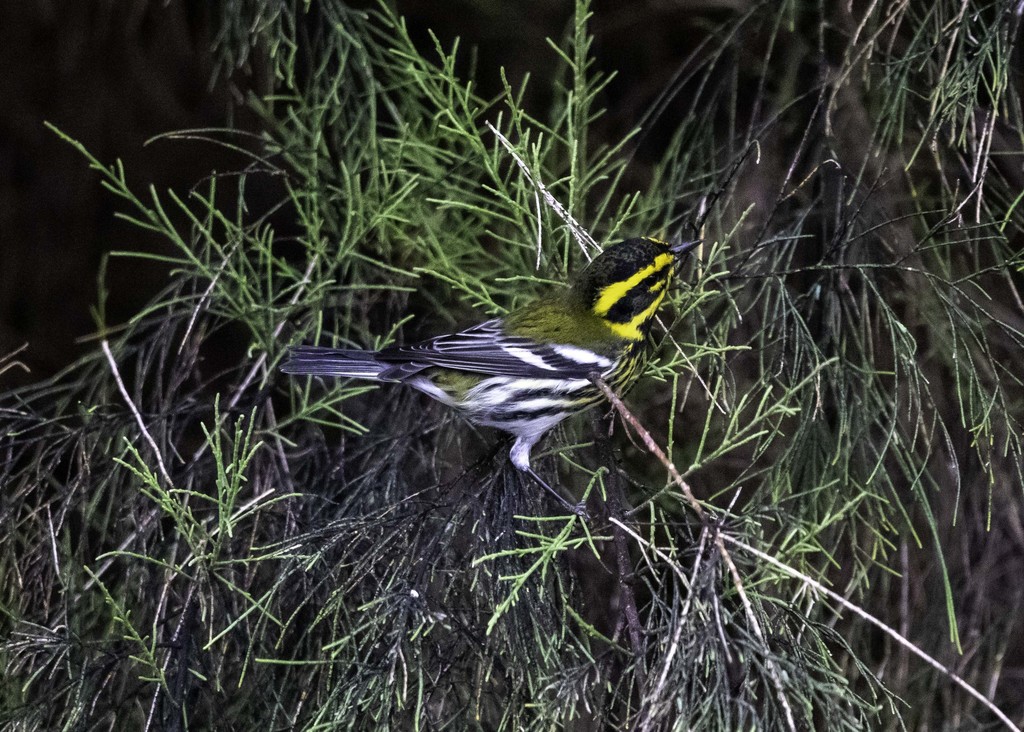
684,247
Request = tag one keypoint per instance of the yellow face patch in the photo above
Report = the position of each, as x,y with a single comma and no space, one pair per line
617,290
631,330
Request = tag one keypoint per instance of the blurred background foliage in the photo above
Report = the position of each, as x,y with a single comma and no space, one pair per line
196,542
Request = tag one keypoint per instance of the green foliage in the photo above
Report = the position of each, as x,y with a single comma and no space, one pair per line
197,542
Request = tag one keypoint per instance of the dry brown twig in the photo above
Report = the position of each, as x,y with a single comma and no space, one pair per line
698,509
720,540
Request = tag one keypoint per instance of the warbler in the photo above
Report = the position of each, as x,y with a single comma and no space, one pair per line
526,372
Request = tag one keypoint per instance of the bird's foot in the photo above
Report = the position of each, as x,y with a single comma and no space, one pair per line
577,509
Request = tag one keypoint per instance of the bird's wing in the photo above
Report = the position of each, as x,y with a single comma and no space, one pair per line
487,349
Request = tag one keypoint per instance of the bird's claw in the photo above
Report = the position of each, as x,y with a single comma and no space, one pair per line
580,510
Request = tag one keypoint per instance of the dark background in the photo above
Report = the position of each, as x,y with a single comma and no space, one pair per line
113,75
110,75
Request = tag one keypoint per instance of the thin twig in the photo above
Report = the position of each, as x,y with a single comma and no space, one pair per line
145,523
888,630
233,401
672,564
650,444
614,508
7,361
721,538
148,520
205,297
677,633
698,509
582,236
105,345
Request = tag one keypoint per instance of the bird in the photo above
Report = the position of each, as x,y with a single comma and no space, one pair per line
527,371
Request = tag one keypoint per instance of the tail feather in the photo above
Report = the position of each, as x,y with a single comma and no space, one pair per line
342,362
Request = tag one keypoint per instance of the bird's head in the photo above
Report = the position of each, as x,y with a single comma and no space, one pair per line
626,283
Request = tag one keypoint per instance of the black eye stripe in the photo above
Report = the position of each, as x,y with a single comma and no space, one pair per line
624,309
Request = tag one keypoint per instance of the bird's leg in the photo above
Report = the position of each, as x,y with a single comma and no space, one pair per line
578,509
520,456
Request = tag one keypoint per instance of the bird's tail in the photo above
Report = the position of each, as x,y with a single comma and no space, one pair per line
342,362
